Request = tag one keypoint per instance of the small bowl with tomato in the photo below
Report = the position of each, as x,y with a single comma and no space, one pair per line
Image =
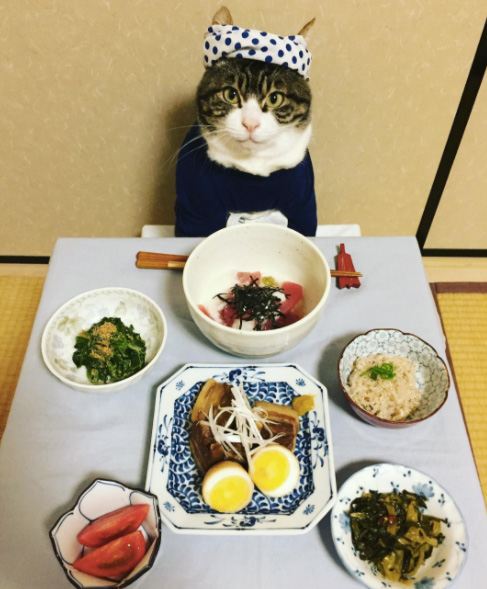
110,537
256,290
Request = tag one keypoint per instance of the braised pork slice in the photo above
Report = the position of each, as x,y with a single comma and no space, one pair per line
207,451
281,420
213,394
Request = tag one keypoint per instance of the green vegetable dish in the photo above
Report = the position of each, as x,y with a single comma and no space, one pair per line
110,350
391,531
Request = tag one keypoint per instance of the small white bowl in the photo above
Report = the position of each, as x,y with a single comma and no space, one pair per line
257,247
432,378
101,497
81,312
445,563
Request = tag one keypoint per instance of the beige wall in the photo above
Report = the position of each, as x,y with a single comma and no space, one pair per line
461,219
95,98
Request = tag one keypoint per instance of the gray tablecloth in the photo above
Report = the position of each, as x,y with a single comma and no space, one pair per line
58,440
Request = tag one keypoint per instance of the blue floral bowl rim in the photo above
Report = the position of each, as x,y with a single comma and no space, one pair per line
381,419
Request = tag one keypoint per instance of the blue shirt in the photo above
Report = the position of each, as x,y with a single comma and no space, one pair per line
207,192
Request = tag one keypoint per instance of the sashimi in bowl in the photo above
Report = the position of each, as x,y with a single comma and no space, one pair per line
256,303
261,252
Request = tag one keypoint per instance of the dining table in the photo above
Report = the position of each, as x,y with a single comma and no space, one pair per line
58,440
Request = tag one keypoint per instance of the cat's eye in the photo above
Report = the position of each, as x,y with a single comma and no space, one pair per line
230,95
274,99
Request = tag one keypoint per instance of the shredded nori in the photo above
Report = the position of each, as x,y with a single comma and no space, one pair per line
110,350
252,302
392,531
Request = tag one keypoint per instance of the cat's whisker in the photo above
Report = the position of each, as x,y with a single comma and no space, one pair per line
173,157
203,146
169,129
186,127
179,127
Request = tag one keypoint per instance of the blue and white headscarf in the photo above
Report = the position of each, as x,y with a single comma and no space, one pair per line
235,42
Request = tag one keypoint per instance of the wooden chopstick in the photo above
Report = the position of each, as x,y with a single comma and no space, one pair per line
155,261
160,261
338,273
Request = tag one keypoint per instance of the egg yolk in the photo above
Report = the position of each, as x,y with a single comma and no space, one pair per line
229,494
270,470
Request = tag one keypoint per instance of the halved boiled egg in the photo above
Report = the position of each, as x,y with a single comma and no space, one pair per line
275,470
227,487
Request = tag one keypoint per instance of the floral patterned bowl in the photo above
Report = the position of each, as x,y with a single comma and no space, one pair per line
104,496
447,560
432,378
172,474
81,312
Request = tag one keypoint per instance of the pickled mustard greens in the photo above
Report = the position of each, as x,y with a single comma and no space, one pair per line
110,350
392,531
385,371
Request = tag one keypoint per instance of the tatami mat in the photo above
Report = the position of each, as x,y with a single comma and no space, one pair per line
463,308
19,299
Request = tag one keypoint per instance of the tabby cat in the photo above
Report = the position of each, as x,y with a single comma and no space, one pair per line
246,157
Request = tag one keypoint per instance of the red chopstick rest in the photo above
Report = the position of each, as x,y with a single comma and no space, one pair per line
344,262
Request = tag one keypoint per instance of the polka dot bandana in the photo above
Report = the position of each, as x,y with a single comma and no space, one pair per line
235,42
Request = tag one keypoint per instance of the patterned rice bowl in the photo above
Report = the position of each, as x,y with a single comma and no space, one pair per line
432,377
172,474
81,312
447,560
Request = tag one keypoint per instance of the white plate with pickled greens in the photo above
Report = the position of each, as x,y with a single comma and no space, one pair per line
406,521
141,319
173,476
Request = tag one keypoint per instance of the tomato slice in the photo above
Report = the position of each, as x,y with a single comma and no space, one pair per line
295,294
115,559
113,525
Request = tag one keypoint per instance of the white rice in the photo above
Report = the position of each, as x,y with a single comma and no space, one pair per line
394,399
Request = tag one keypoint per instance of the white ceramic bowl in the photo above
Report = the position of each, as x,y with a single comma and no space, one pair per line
272,250
432,378
101,497
81,312
447,560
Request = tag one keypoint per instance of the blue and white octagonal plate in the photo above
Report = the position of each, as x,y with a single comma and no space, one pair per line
446,561
172,474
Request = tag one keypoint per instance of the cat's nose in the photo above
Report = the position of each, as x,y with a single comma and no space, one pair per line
251,125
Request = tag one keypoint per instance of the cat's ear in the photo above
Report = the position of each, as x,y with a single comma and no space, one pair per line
222,17
305,30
